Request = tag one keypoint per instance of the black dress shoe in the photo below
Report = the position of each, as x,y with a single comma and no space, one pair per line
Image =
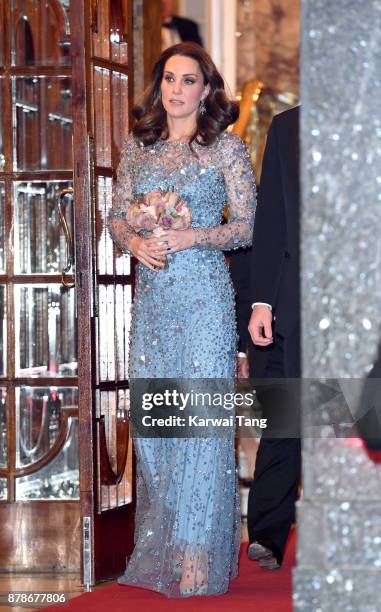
256,551
265,556
270,563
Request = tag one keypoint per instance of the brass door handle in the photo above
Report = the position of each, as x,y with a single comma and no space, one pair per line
66,193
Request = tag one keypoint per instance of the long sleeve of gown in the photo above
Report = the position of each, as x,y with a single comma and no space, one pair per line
122,197
242,197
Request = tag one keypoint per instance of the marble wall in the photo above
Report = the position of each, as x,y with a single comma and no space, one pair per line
339,536
268,43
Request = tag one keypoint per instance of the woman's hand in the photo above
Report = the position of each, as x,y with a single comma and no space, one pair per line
172,241
148,252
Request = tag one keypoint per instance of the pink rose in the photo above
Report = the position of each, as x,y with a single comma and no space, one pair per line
153,197
150,210
172,198
177,224
131,213
147,222
166,220
160,208
141,217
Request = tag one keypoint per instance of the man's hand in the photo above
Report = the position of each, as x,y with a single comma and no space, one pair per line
260,325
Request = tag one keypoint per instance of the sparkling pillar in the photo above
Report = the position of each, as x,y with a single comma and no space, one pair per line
339,536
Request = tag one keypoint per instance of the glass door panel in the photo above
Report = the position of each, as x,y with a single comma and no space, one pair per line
102,104
106,333
43,123
59,479
3,441
2,157
3,430
3,489
40,416
109,24
40,32
40,245
39,341
123,303
119,31
109,259
45,326
119,108
3,331
122,264
2,228
1,32
100,25
112,408
113,332
105,249
47,443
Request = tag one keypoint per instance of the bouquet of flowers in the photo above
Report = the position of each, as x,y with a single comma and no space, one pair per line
158,211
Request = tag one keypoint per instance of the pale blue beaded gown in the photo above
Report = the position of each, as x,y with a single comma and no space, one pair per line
183,326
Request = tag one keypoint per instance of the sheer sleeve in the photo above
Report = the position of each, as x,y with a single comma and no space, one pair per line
122,197
242,198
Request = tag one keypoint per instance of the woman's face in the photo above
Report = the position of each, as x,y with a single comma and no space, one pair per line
182,86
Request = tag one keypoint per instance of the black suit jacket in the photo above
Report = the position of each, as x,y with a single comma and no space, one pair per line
187,29
240,273
270,272
369,424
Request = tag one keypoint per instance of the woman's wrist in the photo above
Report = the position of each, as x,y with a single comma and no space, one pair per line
133,243
192,232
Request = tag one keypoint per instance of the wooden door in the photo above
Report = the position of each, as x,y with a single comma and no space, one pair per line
39,488
102,53
66,473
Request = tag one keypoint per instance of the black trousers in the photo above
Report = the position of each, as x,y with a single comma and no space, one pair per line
274,490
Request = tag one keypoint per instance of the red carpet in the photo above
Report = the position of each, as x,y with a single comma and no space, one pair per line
254,590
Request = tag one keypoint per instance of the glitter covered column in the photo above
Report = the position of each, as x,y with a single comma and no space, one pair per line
339,536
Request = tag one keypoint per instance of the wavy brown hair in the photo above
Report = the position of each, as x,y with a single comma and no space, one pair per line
150,115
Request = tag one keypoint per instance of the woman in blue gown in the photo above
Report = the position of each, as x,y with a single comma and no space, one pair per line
187,532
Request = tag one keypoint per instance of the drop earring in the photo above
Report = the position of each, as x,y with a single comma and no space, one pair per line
202,107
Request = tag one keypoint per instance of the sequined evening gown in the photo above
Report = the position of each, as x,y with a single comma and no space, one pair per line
183,326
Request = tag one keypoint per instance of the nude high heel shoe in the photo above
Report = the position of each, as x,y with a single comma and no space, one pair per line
194,579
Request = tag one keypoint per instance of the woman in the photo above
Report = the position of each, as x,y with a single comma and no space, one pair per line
183,324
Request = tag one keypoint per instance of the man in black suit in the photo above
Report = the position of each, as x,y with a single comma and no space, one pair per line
368,419
273,293
177,29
